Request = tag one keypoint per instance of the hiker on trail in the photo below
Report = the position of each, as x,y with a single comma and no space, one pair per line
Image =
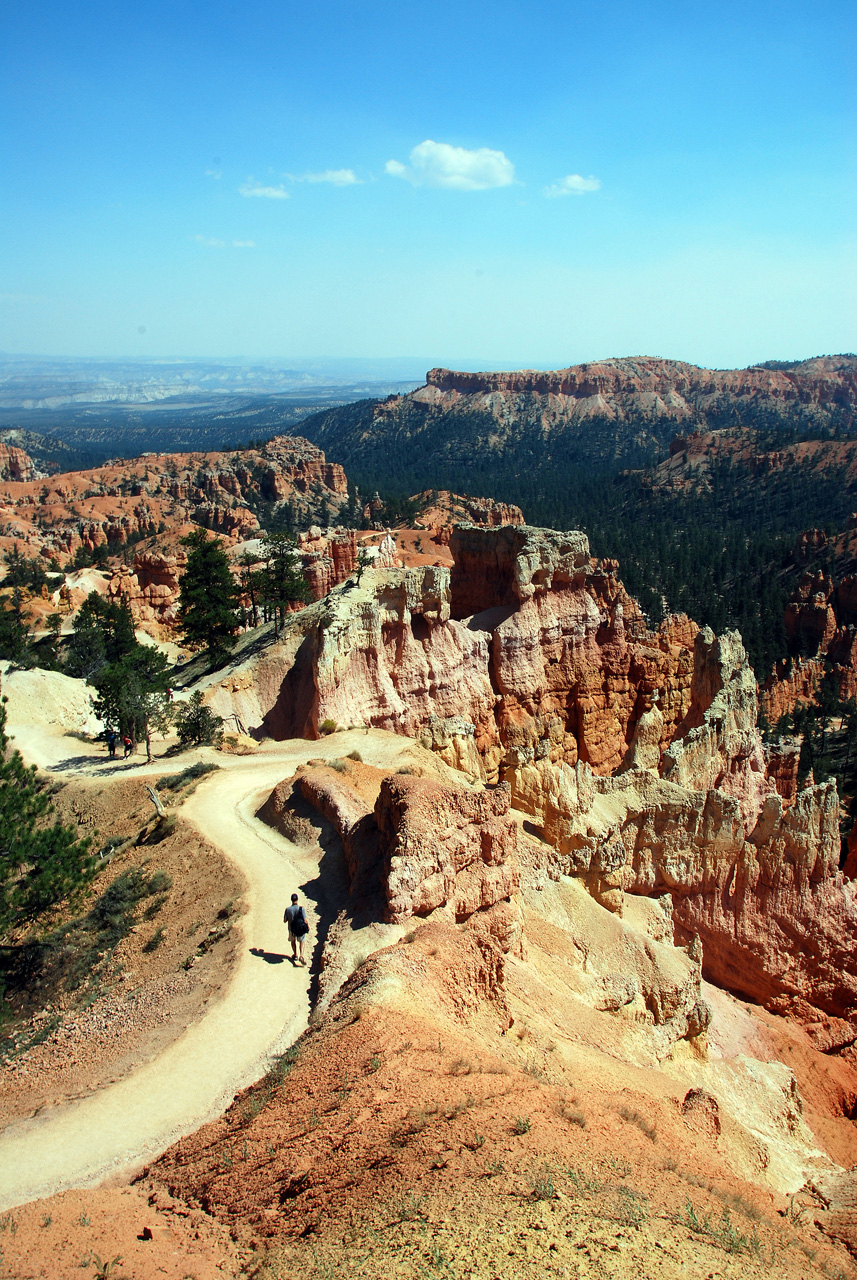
127,744
298,929
111,743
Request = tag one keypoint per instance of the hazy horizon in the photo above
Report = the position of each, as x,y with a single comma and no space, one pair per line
405,368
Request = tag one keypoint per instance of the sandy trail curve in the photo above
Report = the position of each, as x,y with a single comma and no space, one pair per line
262,1010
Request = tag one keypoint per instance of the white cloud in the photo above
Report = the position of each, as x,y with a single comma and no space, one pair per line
213,173
438,164
336,177
211,242
251,188
572,185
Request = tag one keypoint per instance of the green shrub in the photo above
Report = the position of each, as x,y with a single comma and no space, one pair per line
113,913
195,723
542,1185
175,781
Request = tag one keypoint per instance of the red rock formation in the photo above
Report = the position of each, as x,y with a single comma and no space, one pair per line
540,664
327,558
151,589
425,845
572,680
810,621
444,845
16,465
782,767
383,654
758,882
775,918
560,667
790,683
295,465
819,622
125,499
446,509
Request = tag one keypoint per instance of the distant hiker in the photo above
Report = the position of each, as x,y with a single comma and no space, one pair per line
127,744
298,929
111,744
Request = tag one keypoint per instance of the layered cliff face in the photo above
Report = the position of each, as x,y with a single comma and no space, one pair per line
641,386
572,665
424,843
384,653
636,754
16,464
538,661
621,411
756,881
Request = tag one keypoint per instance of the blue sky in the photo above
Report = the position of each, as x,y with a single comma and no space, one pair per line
511,183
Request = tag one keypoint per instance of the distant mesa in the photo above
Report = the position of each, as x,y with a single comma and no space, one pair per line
656,387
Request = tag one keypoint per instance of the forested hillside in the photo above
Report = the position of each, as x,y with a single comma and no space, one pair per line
712,536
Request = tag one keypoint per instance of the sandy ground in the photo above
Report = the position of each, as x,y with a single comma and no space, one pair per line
262,1010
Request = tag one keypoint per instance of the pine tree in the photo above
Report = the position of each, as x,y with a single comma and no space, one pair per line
196,723
103,634
41,861
132,694
207,608
282,580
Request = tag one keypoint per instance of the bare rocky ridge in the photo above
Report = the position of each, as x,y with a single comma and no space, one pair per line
615,838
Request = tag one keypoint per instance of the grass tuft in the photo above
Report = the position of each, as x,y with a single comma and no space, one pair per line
645,1126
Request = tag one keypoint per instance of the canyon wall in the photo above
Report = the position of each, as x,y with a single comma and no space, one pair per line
635,753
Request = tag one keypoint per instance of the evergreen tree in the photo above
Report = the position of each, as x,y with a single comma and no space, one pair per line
14,632
196,723
132,695
282,580
15,639
207,608
103,633
41,861
250,583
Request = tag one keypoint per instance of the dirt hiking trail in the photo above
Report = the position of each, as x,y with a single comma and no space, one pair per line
263,1008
